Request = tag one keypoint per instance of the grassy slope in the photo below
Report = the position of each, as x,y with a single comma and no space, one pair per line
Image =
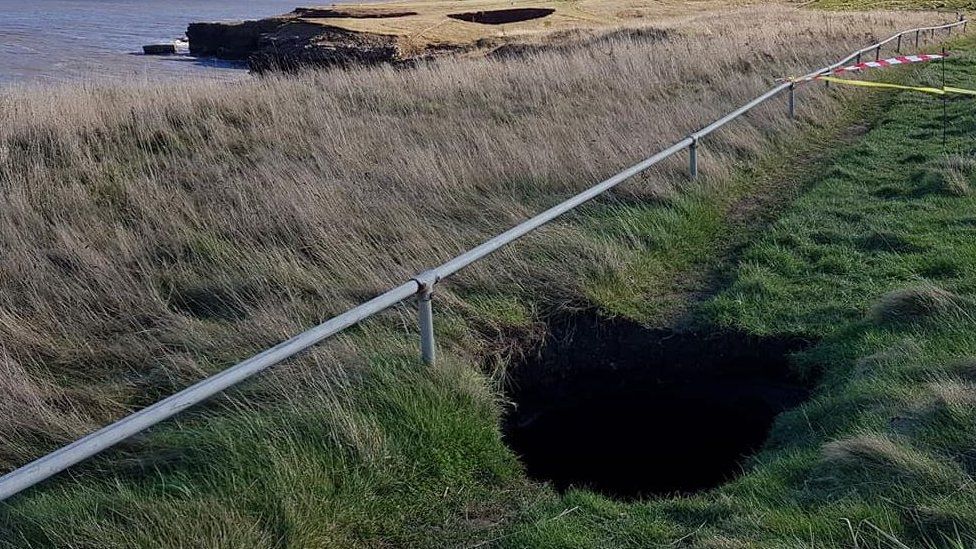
448,478
417,460
884,454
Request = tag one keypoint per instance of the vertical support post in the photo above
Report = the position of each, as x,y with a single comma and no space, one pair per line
857,61
877,53
792,100
428,350
425,316
898,45
916,38
693,157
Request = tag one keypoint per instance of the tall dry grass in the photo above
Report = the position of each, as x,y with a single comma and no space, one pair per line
151,234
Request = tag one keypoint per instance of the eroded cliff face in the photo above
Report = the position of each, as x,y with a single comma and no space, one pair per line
292,41
297,44
234,40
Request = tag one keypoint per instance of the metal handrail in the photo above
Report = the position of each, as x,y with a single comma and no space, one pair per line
422,286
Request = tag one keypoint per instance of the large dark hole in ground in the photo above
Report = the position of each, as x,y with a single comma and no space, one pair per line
632,412
501,17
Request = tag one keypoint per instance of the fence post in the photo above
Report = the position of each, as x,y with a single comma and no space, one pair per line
693,157
425,315
877,53
916,38
857,61
898,45
792,100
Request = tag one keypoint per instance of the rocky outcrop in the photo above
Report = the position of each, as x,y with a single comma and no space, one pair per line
234,41
299,44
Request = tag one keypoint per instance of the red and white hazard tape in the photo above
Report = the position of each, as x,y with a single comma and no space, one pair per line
890,62
901,60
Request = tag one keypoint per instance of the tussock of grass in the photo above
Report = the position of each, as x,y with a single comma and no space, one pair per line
866,460
954,175
910,305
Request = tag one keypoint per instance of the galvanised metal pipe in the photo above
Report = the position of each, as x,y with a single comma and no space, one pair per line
791,102
83,448
425,310
61,459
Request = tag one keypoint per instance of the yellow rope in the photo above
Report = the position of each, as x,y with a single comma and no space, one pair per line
938,91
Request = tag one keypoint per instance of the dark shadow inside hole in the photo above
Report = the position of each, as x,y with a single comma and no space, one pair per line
631,412
500,17
352,12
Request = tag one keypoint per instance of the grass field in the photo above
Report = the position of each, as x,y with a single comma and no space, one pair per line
148,246
947,6
878,259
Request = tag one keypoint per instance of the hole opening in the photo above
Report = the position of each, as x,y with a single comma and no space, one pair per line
501,17
632,412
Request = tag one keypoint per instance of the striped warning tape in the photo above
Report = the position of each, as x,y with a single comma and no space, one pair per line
940,91
882,63
900,60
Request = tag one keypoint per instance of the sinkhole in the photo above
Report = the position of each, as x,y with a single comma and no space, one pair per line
501,17
632,412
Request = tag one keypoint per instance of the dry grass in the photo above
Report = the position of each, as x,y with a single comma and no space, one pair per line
154,233
914,304
864,459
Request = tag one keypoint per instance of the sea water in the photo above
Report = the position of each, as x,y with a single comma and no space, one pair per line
58,40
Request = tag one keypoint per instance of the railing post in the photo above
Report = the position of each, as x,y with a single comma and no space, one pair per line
898,45
425,315
917,32
877,53
792,100
693,157
857,60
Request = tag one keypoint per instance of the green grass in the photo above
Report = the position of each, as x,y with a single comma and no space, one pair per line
396,454
940,5
879,260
